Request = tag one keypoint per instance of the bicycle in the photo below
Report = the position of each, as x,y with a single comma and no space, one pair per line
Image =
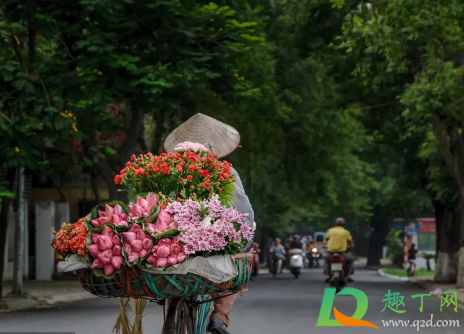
187,316
190,296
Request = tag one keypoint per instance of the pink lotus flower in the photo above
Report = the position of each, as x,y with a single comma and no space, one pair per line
146,244
106,251
163,222
143,206
108,269
161,262
103,242
117,250
163,251
137,243
105,256
129,236
166,252
93,250
96,264
113,215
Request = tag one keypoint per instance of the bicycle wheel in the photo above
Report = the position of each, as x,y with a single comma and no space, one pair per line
179,318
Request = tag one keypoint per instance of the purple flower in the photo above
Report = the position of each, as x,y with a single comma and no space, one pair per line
210,230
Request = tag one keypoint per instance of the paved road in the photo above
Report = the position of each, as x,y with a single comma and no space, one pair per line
272,306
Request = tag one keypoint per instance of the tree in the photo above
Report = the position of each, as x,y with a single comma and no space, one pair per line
32,121
423,42
427,258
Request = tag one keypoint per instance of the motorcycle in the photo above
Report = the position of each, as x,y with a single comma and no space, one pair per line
337,271
276,264
313,257
296,262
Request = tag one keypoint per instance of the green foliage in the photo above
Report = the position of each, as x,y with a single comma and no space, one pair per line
395,246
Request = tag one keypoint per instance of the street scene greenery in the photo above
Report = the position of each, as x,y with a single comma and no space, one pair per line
345,107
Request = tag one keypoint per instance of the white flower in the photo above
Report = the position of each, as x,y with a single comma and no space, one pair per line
206,222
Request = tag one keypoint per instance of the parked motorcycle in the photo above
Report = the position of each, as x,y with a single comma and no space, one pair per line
337,271
296,262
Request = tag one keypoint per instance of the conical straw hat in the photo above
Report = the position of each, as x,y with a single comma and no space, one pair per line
218,137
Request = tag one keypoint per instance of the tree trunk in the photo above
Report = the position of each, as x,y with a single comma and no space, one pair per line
4,210
381,223
448,222
451,139
460,277
5,205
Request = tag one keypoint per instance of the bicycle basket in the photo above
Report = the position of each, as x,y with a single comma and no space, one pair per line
135,283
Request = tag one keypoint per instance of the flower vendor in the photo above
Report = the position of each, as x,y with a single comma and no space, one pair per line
202,132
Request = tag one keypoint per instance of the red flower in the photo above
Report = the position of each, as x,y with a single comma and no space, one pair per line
180,168
192,167
189,177
117,179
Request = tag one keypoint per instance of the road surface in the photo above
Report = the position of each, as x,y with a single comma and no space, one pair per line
271,306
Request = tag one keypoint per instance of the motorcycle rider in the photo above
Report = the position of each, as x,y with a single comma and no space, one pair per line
278,250
338,240
313,262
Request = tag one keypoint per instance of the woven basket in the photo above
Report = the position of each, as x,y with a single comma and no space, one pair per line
100,286
135,283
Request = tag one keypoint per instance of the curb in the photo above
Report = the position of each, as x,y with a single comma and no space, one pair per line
423,285
29,302
384,274
420,283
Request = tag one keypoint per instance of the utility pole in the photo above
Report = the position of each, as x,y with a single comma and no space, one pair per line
19,235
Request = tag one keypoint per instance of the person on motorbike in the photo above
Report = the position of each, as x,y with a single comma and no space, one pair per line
313,261
277,249
338,241
296,243
221,139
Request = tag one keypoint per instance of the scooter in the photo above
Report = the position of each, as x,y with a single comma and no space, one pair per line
337,271
276,264
296,262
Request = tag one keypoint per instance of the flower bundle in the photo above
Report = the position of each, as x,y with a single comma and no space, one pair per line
104,250
163,226
137,243
144,206
166,252
178,176
180,207
71,238
208,227
114,213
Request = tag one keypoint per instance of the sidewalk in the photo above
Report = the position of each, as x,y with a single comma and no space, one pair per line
430,286
43,294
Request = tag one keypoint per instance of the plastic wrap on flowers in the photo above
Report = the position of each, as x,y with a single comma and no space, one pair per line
137,244
144,208
104,252
114,213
